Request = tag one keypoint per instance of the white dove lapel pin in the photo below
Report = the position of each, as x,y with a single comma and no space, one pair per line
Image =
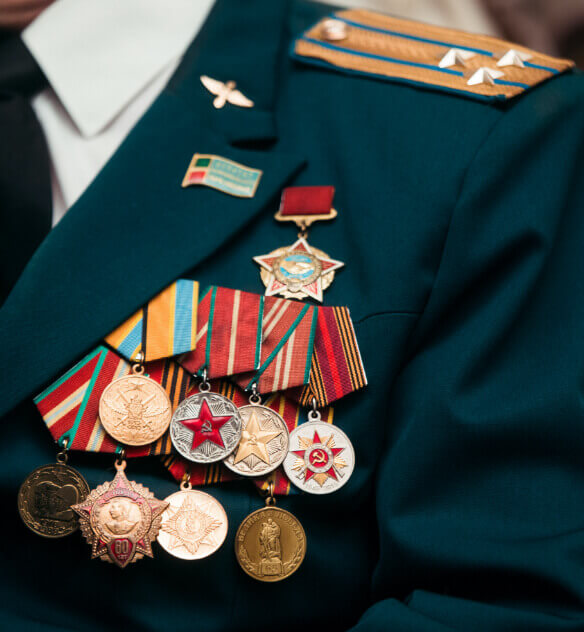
225,93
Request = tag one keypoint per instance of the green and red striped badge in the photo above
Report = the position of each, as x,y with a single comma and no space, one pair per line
222,174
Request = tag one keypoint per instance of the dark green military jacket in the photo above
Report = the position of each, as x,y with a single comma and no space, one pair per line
461,223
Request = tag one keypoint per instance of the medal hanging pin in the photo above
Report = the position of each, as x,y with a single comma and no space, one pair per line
300,271
134,409
120,519
46,495
270,543
264,440
205,427
194,525
321,458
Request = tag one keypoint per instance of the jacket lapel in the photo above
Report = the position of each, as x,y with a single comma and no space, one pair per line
135,229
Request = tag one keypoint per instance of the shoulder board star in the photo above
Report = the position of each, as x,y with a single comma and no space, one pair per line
455,57
514,58
485,75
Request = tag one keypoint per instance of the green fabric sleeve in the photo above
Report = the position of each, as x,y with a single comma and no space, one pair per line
480,493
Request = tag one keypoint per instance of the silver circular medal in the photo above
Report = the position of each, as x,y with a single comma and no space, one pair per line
320,459
205,427
264,442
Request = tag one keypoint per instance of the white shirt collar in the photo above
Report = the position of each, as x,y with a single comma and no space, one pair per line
99,54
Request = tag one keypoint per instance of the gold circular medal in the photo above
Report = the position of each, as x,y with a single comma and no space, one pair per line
194,525
264,442
45,498
270,544
135,410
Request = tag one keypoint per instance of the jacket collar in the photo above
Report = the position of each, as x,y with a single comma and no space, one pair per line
118,49
135,230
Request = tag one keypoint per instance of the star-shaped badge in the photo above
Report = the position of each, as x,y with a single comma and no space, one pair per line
298,271
206,427
254,441
120,519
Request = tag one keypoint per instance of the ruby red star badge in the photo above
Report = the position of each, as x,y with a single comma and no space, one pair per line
206,427
297,271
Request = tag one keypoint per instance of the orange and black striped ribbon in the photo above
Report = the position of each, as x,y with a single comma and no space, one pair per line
336,366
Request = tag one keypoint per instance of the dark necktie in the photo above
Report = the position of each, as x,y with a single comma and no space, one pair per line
25,185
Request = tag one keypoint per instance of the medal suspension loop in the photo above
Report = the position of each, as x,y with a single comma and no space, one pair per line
120,462
314,413
204,386
63,455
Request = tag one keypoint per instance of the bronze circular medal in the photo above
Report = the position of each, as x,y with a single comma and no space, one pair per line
194,525
135,410
270,544
45,498
264,442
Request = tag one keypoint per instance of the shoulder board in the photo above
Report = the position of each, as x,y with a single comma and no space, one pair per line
478,66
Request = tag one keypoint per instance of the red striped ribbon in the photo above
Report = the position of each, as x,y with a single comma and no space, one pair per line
70,405
287,343
228,333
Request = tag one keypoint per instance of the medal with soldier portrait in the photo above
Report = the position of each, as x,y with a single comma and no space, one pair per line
120,519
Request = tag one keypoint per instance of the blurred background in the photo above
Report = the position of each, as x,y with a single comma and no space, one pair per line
555,27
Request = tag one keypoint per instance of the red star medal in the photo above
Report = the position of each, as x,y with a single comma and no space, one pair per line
206,427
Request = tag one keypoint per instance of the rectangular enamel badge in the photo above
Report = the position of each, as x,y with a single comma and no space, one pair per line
222,174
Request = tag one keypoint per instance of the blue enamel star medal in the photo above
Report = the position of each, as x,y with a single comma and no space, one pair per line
300,271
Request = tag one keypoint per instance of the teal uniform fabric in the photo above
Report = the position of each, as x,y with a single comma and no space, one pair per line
461,224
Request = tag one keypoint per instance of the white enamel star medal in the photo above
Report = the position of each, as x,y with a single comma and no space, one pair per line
300,271
321,458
